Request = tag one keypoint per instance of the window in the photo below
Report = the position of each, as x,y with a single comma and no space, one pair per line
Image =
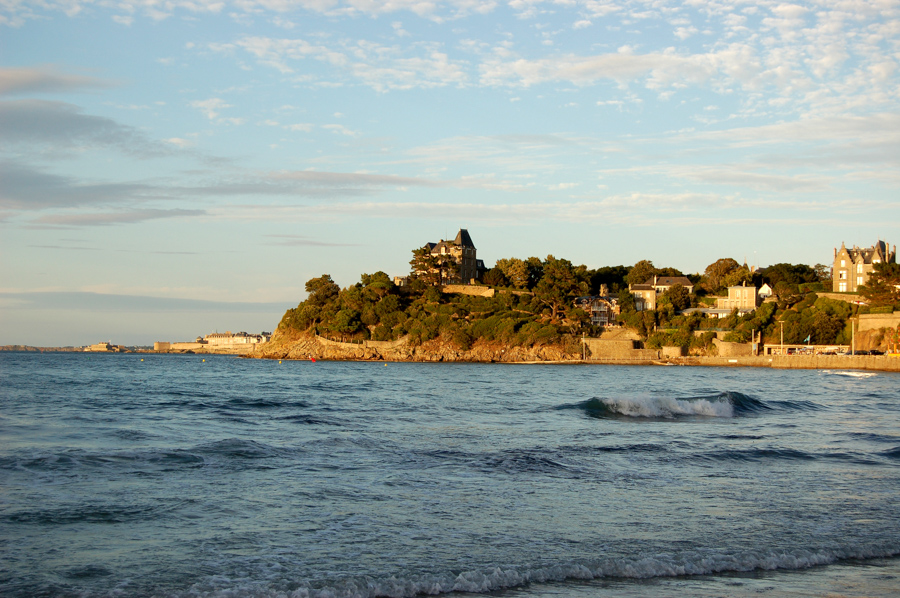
842,287
843,263
842,275
859,268
859,280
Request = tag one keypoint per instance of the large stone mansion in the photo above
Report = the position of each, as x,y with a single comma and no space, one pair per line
467,268
852,267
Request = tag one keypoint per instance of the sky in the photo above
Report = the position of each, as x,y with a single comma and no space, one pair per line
172,168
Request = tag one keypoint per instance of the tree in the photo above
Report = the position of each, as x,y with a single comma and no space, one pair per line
640,272
346,321
823,273
515,270
535,271
379,283
561,282
738,277
794,274
678,297
883,285
716,273
611,276
495,278
321,289
626,301
426,267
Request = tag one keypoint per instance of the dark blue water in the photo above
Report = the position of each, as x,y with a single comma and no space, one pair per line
174,476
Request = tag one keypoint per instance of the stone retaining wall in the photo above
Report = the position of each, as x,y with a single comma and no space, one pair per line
373,344
878,321
464,289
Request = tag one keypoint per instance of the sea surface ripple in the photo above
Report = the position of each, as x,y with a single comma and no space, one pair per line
162,475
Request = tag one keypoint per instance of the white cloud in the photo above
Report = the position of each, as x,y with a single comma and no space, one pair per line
211,107
300,127
179,142
340,130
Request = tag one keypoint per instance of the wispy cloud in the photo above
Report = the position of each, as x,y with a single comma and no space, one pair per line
25,188
47,79
60,126
301,241
112,218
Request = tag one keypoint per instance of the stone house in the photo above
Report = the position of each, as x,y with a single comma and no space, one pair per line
851,267
645,294
466,267
741,297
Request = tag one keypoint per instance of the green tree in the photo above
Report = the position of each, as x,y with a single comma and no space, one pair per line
738,277
346,321
535,271
321,289
823,273
515,270
678,297
715,274
626,301
640,272
379,283
426,267
495,278
612,276
560,284
794,274
883,285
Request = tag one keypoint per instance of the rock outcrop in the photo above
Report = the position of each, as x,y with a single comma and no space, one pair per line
296,345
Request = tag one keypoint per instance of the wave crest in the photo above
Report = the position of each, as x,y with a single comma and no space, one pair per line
724,404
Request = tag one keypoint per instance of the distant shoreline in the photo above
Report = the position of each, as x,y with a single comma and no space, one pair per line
878,363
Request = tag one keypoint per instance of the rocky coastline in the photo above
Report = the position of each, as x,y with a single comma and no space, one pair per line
305,346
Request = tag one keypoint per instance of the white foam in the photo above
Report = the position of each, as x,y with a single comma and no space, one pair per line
669,407
499,578
851,374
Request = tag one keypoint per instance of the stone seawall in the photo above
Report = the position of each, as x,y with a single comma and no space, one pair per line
881,363
463,289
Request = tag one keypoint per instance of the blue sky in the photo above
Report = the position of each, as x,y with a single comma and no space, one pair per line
172,167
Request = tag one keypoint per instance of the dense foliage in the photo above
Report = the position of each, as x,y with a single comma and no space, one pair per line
534,305
376,309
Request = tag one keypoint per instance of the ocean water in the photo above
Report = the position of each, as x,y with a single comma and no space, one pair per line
162,475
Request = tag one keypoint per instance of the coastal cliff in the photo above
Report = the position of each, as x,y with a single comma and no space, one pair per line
304,345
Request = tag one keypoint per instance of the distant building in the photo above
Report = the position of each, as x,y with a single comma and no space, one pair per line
645,294
741,297
765,291
852,267
464,266
228,339
101,347
603,310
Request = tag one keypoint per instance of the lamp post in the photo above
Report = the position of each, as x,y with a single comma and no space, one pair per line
781,350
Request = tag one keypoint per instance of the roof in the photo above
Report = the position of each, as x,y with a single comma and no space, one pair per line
881,251
463,239
668,281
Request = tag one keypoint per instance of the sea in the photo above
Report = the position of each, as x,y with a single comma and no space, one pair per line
213,476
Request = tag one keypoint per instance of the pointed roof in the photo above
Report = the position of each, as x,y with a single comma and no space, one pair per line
463,239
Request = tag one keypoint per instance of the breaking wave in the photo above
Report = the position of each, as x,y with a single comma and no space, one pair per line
503,578
724,404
